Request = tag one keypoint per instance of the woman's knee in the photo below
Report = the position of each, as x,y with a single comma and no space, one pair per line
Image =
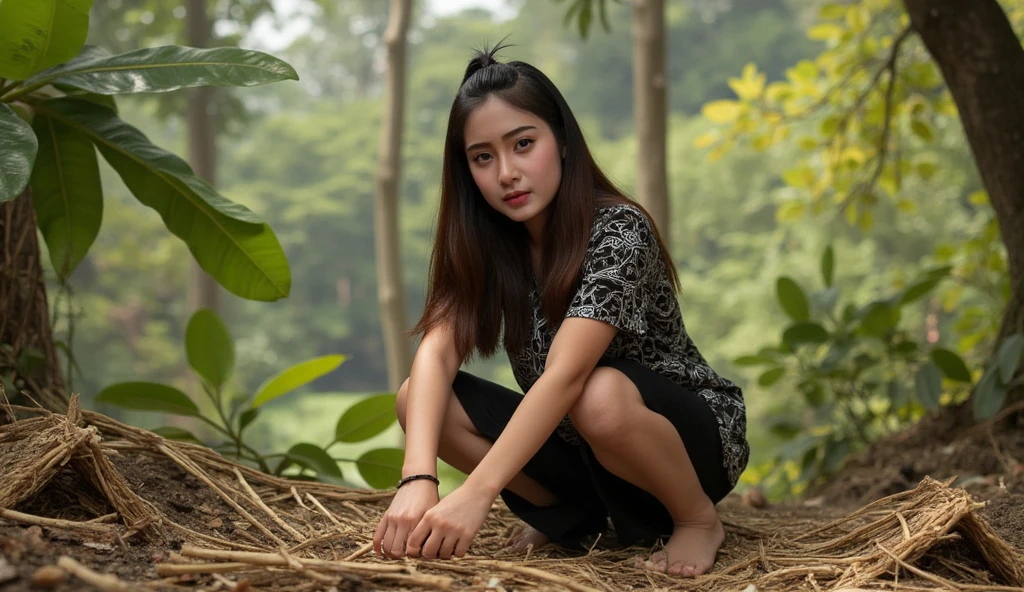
602,413
401,403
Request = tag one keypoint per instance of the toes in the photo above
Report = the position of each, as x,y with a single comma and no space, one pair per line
676,569
688,571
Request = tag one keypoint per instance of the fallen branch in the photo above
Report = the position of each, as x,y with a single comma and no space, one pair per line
90,527
105,582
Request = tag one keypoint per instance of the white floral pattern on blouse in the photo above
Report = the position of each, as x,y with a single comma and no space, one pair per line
625,283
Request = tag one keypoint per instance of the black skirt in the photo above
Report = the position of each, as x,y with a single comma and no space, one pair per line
588,494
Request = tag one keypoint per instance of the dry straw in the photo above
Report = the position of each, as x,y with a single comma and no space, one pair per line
310,536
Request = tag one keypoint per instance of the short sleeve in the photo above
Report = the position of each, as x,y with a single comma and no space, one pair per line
614,285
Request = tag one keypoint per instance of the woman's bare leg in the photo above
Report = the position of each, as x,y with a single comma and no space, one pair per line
644,448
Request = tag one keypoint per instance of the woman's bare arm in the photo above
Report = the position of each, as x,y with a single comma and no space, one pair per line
430,384
577,347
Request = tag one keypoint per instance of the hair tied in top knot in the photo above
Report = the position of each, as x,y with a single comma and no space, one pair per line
483,58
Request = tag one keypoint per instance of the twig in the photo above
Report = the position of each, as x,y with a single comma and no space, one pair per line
324,510
55,522
883,149
105,582
295,494
188,466
278,560
106,518
537,573
273,515
359,552
213,539
946,584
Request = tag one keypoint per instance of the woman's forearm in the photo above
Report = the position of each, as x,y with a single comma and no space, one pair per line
537,416
429,390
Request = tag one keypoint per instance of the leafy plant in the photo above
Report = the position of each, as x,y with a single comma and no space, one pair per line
210,351
57,108
858,370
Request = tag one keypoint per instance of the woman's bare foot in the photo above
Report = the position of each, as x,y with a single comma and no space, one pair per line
693,546
523,537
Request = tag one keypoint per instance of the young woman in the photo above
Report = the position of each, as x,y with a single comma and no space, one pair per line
622,417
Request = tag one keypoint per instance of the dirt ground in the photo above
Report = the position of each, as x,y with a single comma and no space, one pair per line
758,547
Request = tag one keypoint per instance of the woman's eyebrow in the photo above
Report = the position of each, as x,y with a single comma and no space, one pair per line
504,136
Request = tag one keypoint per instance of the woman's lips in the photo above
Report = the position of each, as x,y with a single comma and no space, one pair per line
516,198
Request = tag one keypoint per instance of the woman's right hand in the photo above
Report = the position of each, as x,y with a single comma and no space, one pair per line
407,508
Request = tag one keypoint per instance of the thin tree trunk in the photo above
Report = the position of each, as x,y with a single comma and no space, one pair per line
28,355
202,148
650,111
982,62
390,293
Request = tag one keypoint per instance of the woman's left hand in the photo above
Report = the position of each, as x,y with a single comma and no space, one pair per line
448,528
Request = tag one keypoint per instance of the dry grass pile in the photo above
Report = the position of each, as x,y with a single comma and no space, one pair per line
239,529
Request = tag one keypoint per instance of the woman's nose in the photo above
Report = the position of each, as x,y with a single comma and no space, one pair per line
507,172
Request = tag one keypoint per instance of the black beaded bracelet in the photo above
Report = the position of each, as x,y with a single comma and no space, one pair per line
415,477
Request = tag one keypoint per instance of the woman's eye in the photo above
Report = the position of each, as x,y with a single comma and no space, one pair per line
524,142
482,157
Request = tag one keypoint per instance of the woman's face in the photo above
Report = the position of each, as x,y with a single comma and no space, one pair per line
515,159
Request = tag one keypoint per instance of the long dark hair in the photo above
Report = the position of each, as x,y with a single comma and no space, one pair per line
480,272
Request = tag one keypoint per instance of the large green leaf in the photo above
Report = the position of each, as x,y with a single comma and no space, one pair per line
209,347
296,376
148,396
18,146
381,468
315,458
800,333
952,366
928,381
989,395
37,34
770,377
167,68
792,299
66,192
366,419
1009,355
228,241
918,290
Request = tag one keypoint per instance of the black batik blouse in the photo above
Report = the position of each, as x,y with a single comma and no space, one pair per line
625,283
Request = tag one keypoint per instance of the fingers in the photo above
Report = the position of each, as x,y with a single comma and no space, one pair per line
378,536
389,537
447,547
419,536
462,546
398,544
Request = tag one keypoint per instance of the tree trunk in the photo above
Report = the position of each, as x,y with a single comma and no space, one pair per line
390,293
982,62
650,111
28,356
204,291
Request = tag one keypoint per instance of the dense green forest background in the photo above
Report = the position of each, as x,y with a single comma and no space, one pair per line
303,156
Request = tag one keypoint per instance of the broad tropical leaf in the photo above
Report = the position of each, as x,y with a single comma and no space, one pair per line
209,347
66,192
37,34
366,419
313,457
807,332
294,377
18,146
167,68
381,468
148,396
227,240
989,395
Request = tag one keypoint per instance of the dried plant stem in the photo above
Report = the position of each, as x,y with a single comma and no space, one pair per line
273,515
105,582
90,527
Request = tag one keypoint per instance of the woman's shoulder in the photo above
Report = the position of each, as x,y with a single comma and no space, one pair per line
621,218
